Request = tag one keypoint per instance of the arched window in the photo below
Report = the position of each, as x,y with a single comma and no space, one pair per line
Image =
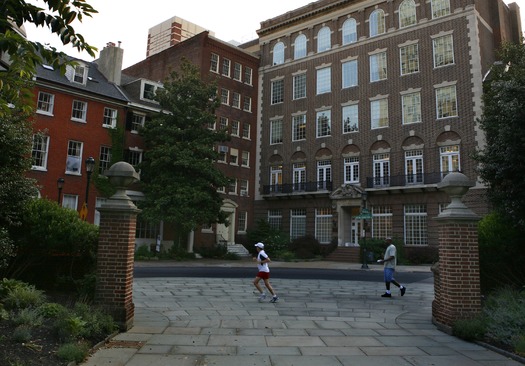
377,23
278,53
407,13
349,31
323,39
299,47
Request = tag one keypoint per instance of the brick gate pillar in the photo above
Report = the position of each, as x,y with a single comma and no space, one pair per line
457,283
116,248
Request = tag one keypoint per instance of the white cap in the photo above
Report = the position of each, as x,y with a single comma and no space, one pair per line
260,245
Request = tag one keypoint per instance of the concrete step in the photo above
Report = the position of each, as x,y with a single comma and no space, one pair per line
345,254
238,249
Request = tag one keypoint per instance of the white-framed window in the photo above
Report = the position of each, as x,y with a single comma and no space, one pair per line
226,67
276,178
104,159
381,170
235,128
247,105
243,185
225,96
414,166
99,201
446,102
443,48
134,157
299,86
246,130
323,225
79,111
299,176
278,53
323,123
70,201
411,104
351,168
232,187
377,23
276,131
39,151
277,91
324,174
242,221
381,221
449,159
221,190
137,122
350,118
214,63
349,73
407,13
45,103
245,159
211,125
323,39
379,113
409,58
416,225
299,50
80,74
378,67
110,118
74,157
299,127
223,123
275,219
234,156
349,31
248,74
297,223
237,71
236,100
223,150
440,8
146,229
149,90
324,80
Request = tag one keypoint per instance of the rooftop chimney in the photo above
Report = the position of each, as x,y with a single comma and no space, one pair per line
110,62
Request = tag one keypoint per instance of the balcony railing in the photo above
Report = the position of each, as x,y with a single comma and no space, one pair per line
321,186
404,180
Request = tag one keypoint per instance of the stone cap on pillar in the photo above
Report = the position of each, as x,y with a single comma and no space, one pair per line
121,175
456,185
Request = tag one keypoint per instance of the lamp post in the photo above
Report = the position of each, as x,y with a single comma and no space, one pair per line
60,185
90,165
364,215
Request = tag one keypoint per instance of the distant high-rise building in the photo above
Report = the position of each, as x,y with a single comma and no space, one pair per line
171,32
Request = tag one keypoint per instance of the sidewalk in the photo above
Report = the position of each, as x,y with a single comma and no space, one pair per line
219,322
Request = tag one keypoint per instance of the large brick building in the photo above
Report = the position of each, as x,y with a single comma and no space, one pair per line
372,102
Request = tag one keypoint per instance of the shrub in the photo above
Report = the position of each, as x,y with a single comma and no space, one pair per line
22,334
306,247
97,323
275,241
217,251
143,252
7,248
519,345
73,352
51,310
470,329
30,317
69,327
6,285
24,297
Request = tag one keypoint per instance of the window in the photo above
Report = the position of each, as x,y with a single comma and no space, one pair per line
381,170
137,122
299,127
237,71
276,178
378,70
225,96
235,128
323,225
234,156
74,157
324,80
324,174
299,50
407,13
39,151
45,103
232,188
409,59
277,91
226,67
146,229
149,91
211,125
214,63
248,75
379,113
349,30
247,106
414,166
278,53
79,111
297,223
323,39
299,86
275,219
110,118
324,123
449,159
276,131
299,176
411,108
222,153
223,123
350,118
440,8
80,73
246,130
104,159
245,159
381,222
351,169
135,157
236,100
377,23
242,221
70,201
443,48
416,225
349,71
243,187
446,103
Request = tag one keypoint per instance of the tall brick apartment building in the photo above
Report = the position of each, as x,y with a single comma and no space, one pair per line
372,102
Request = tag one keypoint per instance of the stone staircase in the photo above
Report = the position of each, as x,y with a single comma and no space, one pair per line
238,249
345,254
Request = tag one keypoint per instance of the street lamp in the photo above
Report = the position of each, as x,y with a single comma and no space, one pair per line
60,185
364,215
90,165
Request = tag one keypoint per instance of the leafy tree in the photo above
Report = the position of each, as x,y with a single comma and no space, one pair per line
502,162
178,174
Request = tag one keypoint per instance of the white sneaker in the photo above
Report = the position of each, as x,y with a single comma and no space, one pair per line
262,297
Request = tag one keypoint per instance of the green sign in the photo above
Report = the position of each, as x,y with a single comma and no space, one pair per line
364,215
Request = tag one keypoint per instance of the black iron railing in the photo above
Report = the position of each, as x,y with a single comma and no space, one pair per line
321,186
404,180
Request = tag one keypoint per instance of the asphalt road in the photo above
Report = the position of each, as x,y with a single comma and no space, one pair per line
288,273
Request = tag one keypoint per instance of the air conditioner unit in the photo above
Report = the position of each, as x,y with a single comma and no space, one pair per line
223,149
244,192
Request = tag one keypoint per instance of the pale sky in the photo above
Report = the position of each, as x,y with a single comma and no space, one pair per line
128,21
